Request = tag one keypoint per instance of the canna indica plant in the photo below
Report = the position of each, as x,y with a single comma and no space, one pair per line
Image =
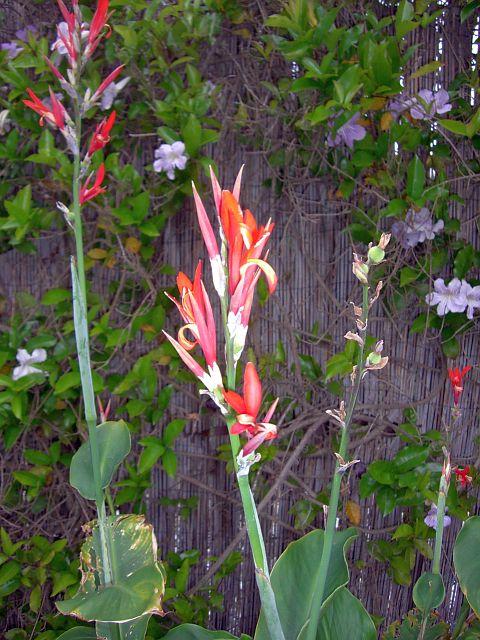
122,582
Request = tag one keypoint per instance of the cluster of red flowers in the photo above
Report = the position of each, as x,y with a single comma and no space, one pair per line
236,269
77,53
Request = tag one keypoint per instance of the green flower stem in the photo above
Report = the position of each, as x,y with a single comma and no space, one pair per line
83,349
321,578
442,496
252,521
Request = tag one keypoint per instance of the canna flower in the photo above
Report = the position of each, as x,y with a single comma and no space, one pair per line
247,408
105,84
87,192
463,475
55,114
195,308
96,27
102,134
25,362
65,43
456,379
431,518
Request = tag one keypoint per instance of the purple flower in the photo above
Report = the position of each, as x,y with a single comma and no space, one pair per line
12,49
472,298
400,104
431,518
347,133
418,226
22,34
170,157
448,298
429,103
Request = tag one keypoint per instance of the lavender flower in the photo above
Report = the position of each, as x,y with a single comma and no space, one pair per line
400,104
448,298
22,34
347,133
472,298
25,362
417,227
111,92
12,49
429,103
431,518
170,157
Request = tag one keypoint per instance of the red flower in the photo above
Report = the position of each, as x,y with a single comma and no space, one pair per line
456,376
247,408
108,81
96,26
69,38
196,310
102,134
463,475
86,192
54,114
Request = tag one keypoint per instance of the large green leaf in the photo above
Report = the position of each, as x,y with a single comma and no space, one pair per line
138,581
192,632
429,592
132,630
467,561
344,617
79,633
113,440
415,178
293,580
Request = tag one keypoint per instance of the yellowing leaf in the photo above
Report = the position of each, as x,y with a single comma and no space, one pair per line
97,254
148,328
132,244
352,509
386,121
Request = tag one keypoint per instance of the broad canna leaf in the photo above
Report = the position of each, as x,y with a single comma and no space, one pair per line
79,633
138,581
132,630
293,580
466,560
193,632
344,617
429,592
114,445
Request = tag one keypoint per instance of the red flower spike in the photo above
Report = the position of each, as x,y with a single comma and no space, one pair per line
70,41
102,134
456,377
97,25
247,408
54,70
195,308
108,81
54,114
87,192
463,475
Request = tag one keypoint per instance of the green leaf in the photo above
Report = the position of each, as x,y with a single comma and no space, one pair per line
67,381
429,592
415,178
132,630
408,275
466,560
338,365
427,68
113,440
54,296
467,11
138,582
463,261
345,617
460,128
382,471
79,633
410,457
294,576
192,135
172,431
193,632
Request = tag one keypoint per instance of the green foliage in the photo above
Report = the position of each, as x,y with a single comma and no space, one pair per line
466,561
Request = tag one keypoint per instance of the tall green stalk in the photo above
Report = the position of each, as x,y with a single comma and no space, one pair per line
83,349
254,530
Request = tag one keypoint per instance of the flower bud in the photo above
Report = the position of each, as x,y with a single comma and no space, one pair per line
376,255
360,269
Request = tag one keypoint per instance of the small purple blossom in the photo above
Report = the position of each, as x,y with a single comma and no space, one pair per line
22,34
170,157
431,518
429,104
111,92
12,49
347,133
449,297
472,298
399,105
417,227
